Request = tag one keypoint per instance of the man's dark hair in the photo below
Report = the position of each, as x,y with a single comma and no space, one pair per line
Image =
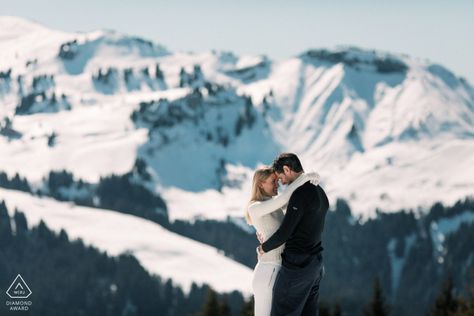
287,159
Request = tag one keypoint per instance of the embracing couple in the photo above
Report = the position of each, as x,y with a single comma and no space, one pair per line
289,226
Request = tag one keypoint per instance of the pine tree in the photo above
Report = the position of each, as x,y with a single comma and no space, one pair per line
52,139
21,224
53,99
224,309
158,73
6,124
446,304
211,306
377,307
183,78
5,228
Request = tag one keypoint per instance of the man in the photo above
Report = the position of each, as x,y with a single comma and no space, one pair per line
296,289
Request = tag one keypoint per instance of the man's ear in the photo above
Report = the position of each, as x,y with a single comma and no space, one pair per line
286,170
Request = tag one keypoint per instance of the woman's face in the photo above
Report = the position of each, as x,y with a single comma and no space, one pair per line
270,185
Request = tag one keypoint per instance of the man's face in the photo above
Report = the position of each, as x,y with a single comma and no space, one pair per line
285,177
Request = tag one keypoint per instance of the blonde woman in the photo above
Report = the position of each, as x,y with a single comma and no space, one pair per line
266,212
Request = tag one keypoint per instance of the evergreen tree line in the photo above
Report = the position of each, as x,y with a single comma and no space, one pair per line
38,96
106,80
68,278
15,183
48,103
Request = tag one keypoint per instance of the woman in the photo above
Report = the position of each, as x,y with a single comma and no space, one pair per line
265,213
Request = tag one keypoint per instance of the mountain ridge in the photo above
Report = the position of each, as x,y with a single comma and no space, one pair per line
361,118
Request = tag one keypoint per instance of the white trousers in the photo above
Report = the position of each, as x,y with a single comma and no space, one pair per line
264,276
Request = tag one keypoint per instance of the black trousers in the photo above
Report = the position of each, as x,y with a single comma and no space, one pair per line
296,289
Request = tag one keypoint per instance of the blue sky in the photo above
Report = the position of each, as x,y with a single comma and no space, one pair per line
441,31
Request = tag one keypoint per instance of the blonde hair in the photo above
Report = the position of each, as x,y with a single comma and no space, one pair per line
258,194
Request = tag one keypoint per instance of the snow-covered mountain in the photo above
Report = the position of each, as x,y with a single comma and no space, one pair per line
383,130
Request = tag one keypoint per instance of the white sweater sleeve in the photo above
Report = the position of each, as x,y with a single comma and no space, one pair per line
260,208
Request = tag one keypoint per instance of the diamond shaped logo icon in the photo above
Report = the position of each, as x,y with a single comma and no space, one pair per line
19,288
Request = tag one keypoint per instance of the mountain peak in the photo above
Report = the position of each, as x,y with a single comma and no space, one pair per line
355,57
12,27
112,37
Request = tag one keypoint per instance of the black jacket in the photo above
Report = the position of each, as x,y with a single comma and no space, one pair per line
303,224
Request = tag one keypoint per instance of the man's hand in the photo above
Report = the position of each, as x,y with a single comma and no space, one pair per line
260,250
260,237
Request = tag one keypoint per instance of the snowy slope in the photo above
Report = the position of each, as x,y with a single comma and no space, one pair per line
383,130
158,250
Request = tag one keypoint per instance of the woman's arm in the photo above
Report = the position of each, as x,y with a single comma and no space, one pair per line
260,208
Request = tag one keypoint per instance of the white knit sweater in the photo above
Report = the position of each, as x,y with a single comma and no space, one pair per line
267,215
